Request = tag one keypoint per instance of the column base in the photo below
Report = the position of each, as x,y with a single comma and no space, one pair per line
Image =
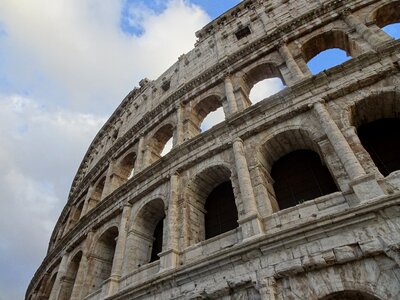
169,259
366,188
113,285
251,226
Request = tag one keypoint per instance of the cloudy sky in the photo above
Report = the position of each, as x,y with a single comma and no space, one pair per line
65,65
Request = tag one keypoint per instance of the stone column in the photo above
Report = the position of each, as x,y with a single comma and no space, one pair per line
139,158
250,222
116,271
62,269
170,256
179,135
85,208
230,95
81,285
290,62
108,184
353,22
365,186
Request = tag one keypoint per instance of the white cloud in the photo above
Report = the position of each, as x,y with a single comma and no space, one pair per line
265,88
68,65
40,152
78,47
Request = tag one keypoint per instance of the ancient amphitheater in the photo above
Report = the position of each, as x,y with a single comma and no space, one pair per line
294,197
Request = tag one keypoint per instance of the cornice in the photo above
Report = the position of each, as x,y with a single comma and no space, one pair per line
158,173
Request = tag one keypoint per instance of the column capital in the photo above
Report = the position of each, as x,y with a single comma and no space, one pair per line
237,140
346,11
316,102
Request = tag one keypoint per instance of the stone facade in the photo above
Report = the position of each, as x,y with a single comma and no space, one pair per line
341,245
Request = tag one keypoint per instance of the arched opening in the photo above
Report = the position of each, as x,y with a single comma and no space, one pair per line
103,258
263,81
349,295
381,139
70,277
206,114
145,239
377,120
333,39
49,286
167,148
75,215
387,18
97,193
277,162
327,59
300,176
126,166
211,204
221,212
157,240
156,146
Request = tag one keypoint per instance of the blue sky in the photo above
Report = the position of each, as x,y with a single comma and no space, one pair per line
64,68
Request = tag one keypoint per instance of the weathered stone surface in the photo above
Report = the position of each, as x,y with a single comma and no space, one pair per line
127,200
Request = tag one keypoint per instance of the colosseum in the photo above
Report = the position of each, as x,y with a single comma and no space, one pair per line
294,197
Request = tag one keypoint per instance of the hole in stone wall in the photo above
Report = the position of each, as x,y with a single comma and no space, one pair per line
104,251
167,148
265,88
221,212
349,295
212,119
243,32
381,139
327,59
158,240
393,30
300,176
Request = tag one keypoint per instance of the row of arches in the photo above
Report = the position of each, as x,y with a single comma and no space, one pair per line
377,125
255,83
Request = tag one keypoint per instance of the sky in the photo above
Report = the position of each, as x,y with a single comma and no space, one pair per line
65,65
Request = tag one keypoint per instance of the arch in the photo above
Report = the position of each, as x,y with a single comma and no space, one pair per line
333,39
125,165
261,75
279,154
48,286
205,190
122,170
75,214
386,14
201,113
377,120
102,257
157,142
96,193
300,176
70,277
145,238
349,295
287,140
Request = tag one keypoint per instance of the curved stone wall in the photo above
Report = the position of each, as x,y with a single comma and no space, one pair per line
341,244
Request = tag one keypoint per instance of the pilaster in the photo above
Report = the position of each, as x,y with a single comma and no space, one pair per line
250,222
119,254
365,186
230,95
62,269
293,67
170,257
